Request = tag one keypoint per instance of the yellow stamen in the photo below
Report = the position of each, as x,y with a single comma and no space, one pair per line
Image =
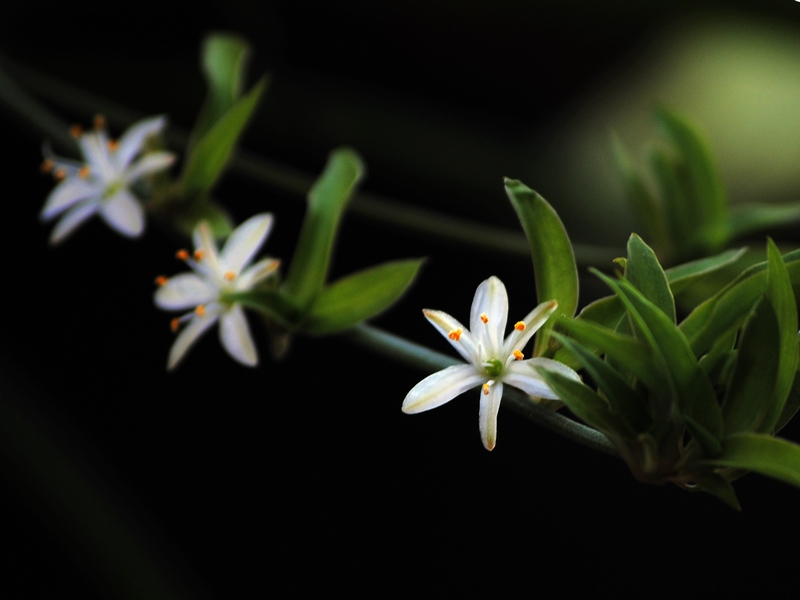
99,122
182,255
519,326
112,145
200,310
484,318
518,355
485,389
83,172
47,165
76,131
161,280
60,174
198,255
174,324
230,275
455,335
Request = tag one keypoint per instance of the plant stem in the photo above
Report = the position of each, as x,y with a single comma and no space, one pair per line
428,360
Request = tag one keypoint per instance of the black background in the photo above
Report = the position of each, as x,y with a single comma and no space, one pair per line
304,474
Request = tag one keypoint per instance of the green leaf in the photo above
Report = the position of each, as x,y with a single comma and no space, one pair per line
188,214
683,276
781,296
645,274
606,311
213,150
360,296
677,208
327,200
750,391
791,406
622,398
748,219
270,303
762,453
716,485
553,259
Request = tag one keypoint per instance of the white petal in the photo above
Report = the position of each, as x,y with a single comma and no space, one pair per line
447,325
524,376
441,387
183,291
70,191
516,340
72,219
491,300
490,404
131,141
196,327
94,145
245,241
204,241
154,161
256,273
123,213
234,334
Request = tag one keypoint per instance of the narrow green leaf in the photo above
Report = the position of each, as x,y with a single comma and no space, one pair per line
748,219
683,276
606,311
553,259
212,151
360,296
622,398
791,406
750,392
327,200
716,485
681,223
781,297
774,457
645,274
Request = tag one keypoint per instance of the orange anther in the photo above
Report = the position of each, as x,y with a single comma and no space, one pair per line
230,275
518,355
83,172
519,326
60,174
182,255
174,324
112,145
484,318
455,335
485,389
200,310
198,255
76,131
47,165
161,280
99,122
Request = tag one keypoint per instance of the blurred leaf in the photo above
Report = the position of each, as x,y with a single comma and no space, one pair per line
747,219
791,406
272,304
360,296
680,219
750,391
646,275
762,453
189,214
716,485
213,150
682,276
623,399
326,203
553,259
781,296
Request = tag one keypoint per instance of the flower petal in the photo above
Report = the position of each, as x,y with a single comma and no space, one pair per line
72,219
234,334
245,241
517,339
441,387
204,241
70,191
196,327
123,213
524,376
132,140
183,291
153,161
94,145
459,336
491,300
253,274
490,404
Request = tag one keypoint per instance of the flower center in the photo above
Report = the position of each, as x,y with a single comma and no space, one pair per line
112,188
493,367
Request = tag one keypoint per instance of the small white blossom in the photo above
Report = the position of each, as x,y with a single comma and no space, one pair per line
101,184
492,360
217,275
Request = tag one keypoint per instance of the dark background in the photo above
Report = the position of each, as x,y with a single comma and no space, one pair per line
305,473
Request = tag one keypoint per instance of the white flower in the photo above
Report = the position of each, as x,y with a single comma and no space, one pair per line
101,183
492,360
217,275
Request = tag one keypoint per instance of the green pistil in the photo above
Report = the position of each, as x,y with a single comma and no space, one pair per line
493,368
112,189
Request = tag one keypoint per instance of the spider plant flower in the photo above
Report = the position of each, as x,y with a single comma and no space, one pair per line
101,183
207,289
491,360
